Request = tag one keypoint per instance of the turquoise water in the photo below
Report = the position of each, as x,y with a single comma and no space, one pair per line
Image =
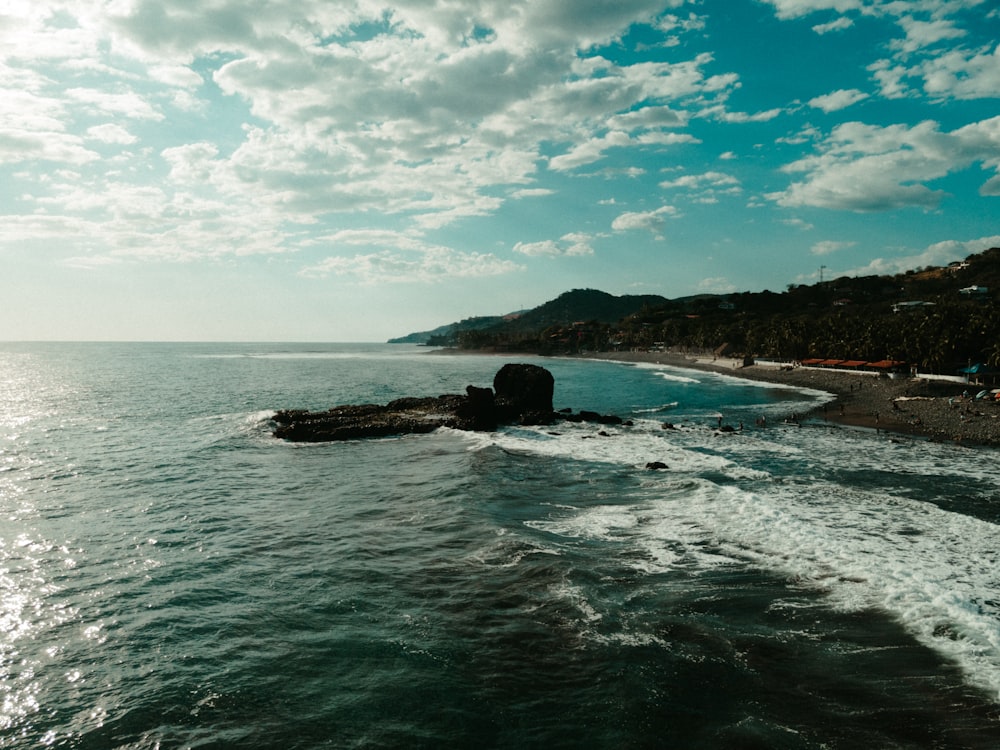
173,576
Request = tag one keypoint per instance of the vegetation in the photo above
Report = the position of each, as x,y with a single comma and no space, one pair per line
939,319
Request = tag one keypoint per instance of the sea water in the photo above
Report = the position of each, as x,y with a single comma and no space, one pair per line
173,576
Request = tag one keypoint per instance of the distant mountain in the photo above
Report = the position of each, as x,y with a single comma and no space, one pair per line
585,306
578,305
446,335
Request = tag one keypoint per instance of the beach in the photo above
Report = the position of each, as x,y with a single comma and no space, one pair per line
940,410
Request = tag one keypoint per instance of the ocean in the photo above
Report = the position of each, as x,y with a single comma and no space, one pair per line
172,576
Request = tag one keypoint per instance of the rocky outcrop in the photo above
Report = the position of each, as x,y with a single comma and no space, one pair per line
521,394
524,394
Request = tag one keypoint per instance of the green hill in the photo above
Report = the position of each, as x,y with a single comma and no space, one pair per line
937,318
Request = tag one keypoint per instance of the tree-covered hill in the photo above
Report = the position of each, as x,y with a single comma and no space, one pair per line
567,308
938,319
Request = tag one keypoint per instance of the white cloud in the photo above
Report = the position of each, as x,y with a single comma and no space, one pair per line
991,187
573,244
432,264
962,74
398,257
938,254
589,151
127,104
716,285
953,74
837,100
651,221
826,247
444,114
836,25
532,193
719,112
921,34
712,179
705,188
111,133
805,226
192,164
786,9
870,168
545,247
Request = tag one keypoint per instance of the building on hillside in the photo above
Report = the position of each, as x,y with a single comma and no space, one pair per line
974,291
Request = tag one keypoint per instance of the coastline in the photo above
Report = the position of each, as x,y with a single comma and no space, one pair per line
919,407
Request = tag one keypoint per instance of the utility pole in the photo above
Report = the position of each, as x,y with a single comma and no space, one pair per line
821,274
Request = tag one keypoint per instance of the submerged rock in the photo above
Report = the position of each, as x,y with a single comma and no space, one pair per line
521,394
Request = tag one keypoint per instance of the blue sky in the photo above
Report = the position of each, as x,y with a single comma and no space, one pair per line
356,170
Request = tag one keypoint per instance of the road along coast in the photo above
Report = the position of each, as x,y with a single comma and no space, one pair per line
935,409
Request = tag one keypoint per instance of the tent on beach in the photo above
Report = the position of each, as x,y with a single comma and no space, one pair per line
975,373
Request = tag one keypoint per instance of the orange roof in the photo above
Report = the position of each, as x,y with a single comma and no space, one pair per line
885,364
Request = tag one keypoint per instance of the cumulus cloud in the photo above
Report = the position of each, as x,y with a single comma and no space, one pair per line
165,130
920,34
805,226
960,74
716,285
837,100
573,244
871,168
651,221
938,254
705,187
826,247
798,8
713,179
838,24
388,267
111,133
402,258
531,193
432,112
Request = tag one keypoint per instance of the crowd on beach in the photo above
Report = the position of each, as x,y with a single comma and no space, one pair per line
941,410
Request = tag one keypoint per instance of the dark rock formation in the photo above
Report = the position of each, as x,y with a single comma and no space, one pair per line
522,395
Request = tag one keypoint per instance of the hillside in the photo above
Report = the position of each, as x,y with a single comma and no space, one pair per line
446,335
567,308
938,319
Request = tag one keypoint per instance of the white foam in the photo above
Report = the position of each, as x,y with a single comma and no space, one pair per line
882,546
634,446
672,373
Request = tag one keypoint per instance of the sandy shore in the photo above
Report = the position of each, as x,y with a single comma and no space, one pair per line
915,406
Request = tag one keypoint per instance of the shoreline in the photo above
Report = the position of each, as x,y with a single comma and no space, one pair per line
919,407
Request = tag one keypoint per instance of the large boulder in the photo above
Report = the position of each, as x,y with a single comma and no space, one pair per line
523,394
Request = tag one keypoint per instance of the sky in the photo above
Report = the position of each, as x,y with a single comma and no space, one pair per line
310,170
